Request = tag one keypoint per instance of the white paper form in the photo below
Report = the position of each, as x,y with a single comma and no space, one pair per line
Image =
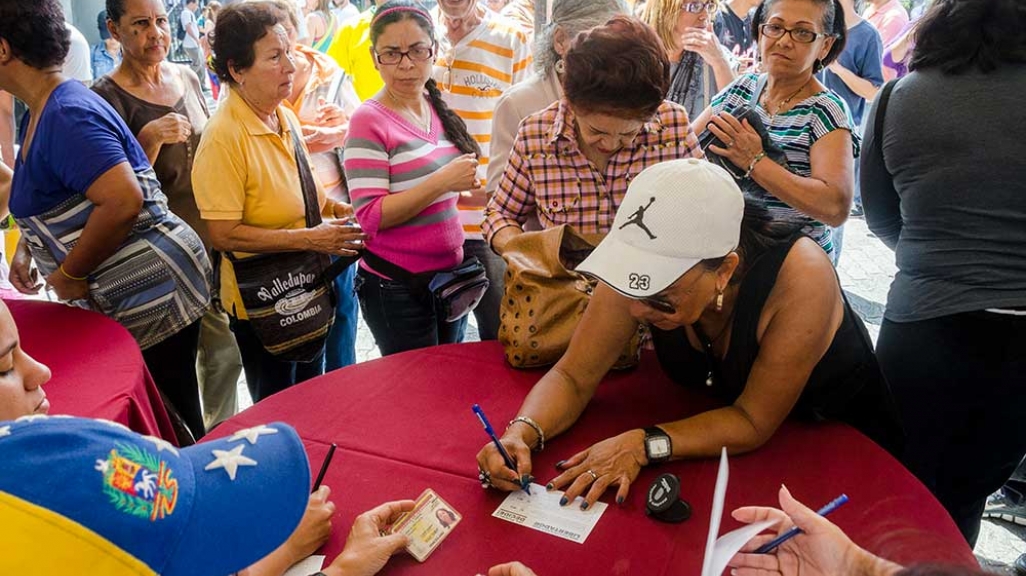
306,566
541,511
719,551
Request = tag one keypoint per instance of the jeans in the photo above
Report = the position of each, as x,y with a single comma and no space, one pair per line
958,384
265,373
340,350
487,311
401,319
172,364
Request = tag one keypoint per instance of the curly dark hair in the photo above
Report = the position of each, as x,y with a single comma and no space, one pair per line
36,32
958,35
833,24
619,68
454,126
238,28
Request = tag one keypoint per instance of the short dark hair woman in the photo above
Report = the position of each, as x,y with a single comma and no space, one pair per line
948,195
92,212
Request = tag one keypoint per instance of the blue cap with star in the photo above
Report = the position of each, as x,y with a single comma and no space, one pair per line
93,495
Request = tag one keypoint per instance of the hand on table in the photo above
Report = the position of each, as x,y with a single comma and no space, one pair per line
368,546
742,142
315,527
491,465
511,569
616,461
823,549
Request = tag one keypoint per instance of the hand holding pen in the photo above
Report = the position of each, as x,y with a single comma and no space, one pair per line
524,481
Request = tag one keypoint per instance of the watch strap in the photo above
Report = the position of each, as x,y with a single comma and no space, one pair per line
655,431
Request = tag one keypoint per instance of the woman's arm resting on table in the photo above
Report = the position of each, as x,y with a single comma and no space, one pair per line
825,196
804,312
558,399
330,237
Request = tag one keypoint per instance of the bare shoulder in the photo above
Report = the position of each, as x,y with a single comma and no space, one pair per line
806,278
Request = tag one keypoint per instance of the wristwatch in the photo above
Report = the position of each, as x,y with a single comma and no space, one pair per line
658,447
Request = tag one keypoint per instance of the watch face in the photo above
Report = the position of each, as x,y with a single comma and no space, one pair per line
658,447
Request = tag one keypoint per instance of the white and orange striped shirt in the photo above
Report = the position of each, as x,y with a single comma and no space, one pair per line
472,75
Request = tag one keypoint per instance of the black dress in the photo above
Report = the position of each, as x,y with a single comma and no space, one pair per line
846,385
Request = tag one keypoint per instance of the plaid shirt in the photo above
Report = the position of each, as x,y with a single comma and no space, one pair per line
548,174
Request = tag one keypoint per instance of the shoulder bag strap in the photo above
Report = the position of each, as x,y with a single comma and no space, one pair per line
881,109
306,180
760,85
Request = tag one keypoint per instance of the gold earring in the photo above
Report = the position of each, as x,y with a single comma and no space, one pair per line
719,302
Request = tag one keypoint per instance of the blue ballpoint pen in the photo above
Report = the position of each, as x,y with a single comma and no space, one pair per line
498,445
769,546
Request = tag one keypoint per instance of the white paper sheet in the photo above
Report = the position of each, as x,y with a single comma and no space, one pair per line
541,511
307,566
719,551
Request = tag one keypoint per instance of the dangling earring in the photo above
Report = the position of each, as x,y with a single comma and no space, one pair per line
719,302
818,66
559,67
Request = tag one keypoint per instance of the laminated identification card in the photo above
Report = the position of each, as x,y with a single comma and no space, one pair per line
430,521
541,510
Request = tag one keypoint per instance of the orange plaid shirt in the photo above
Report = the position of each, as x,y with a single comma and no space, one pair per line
548,174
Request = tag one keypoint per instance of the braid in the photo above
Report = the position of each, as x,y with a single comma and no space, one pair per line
454,126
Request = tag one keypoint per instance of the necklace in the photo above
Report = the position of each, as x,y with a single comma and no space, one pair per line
418,120
708,344
785,101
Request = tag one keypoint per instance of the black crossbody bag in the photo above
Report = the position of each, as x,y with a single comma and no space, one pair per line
455,293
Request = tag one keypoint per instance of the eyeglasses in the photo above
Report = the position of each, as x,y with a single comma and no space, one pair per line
696,7
394,57
800,35
660,305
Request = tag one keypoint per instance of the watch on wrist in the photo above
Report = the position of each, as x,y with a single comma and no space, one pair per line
658,447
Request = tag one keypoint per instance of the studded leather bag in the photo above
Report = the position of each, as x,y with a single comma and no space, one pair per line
545,297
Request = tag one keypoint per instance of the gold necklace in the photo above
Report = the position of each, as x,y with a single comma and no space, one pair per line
783,102
418,121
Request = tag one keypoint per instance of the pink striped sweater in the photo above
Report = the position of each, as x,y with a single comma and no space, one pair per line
386,154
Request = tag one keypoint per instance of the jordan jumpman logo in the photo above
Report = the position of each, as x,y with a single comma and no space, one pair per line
638,219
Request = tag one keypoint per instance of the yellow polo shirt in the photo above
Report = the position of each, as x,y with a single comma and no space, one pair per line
351,49
244,171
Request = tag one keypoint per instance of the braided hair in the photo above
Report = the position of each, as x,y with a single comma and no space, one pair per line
454,126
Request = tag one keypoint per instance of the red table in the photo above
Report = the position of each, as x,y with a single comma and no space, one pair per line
404,423
98,370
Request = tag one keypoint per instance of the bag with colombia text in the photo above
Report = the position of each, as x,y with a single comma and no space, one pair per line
289,296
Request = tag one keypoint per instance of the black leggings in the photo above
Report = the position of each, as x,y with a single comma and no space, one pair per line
960,385
172,364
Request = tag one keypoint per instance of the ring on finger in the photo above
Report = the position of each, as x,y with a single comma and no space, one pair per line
485,478
594,476
730,144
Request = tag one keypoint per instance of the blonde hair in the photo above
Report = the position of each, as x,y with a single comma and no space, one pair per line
662,16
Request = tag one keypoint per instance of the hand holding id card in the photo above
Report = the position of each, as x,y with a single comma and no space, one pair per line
430,521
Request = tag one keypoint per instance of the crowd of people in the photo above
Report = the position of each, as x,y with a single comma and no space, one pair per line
717,150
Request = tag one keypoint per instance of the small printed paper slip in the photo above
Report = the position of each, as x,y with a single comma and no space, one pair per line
430,521
719,551
306,566
541,510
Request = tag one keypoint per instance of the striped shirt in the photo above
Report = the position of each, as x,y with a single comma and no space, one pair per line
385,154
472,75
796,132
548,174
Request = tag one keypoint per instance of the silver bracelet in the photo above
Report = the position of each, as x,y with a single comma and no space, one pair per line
537,429
755,160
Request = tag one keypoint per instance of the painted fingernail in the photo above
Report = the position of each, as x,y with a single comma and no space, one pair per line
559,465
619,499
563,501
550,486
584,506
526,480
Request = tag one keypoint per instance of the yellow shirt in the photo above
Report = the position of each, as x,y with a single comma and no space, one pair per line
351,49
245,172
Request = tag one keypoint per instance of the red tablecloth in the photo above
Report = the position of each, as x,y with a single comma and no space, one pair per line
98,370
404,423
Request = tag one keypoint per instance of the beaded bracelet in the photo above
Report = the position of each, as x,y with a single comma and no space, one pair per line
755,160
69,276
537,430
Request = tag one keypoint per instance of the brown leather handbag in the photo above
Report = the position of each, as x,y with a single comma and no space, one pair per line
545,297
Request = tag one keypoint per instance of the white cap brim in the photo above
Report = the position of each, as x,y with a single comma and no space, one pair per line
631,271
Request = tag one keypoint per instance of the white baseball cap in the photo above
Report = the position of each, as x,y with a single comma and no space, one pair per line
675,214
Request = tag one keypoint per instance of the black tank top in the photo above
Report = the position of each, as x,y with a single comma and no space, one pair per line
845,385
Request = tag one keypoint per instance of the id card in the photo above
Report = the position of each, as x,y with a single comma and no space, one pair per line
430,521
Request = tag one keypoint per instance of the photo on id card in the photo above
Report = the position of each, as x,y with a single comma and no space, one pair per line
430,521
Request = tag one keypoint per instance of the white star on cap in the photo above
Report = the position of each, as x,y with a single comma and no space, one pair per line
253,433
162,444
230,460
32,418
5,431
